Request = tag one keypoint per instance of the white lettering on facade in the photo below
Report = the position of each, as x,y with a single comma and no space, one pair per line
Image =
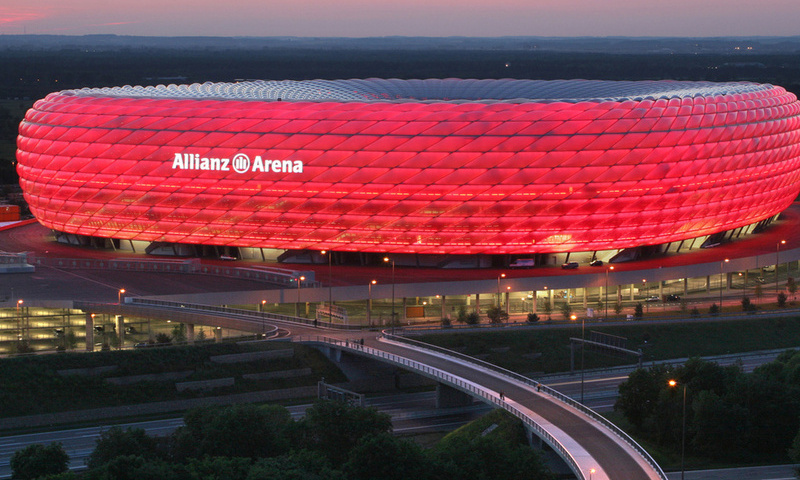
240,162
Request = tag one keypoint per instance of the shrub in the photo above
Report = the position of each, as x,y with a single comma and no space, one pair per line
533,318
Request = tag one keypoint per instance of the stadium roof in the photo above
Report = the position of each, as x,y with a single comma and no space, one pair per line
432,90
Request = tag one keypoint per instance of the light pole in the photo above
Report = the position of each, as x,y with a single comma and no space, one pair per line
721,282
330,287
120,293
673,384
508,299
591,472
607,270
574,317
646,295
297,305
387,260
19,320
777,253
369,302
502,275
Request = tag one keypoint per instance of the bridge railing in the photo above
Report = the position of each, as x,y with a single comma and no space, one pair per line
542,388
455,381
195,307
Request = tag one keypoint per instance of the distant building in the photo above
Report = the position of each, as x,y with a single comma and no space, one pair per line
413,166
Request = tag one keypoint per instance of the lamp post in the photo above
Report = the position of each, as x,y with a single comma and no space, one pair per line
646,295
591,472
502,275
508,299
387,260
297,305
369,302
330,287
721,282
120,293
19,320
673,384
574,317
607,270
777,253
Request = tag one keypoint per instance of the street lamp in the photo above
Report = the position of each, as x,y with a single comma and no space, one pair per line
502,275
120,293
607,270
574,317
646,294
777,253
330,287
297,305
591,472
673,384
720,282
387,260
369,302
19,320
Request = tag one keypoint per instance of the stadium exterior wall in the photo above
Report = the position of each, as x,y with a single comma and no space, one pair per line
411,176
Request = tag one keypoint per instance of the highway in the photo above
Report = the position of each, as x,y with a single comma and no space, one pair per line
411,414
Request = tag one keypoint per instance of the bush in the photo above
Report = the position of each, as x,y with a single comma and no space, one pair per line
782,300
638,310
473,318
36,461
496,314
533,318
446,322
163,338
713,309
747,305
695,312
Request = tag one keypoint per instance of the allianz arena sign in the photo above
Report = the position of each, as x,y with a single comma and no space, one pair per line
240,163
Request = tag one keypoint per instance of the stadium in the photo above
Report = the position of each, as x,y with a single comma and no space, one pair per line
521,168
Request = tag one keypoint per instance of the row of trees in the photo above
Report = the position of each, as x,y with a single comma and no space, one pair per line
729,414
247,442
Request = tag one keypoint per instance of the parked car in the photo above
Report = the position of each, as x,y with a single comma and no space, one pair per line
673,298
523,263
569,265
227,257
653,298
596,263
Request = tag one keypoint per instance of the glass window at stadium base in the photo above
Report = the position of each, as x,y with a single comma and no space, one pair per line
412,166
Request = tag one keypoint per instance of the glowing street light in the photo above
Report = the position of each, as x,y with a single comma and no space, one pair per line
120,293
297,305
607,270
369,302
502,275
673,384
387,260
777,253
591,472
574,317
721,282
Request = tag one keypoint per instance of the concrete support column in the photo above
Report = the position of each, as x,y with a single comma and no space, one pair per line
619,294
533,301
119,321
444,306
552,300
402,315
708,283
728,281
585,299
217,334
661,289
478,303
508,301
633,290
190,333
89,332
685,287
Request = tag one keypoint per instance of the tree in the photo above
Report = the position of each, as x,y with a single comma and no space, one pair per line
747,305
37,460
473,318
179,333
781,300
334,428
791,287
218,431
713,309
446,322
116,442
497,314
618,308
695,312
547,308
297,465
638,395
638,310
386,457
163,339
566,310
533,318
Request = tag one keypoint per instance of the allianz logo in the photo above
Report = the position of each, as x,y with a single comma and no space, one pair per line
240,163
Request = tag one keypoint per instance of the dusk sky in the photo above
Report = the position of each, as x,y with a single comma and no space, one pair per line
362,18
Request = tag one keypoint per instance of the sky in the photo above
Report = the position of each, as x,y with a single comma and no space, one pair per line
430,18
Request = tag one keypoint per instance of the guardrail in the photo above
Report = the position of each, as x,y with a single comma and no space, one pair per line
239,312
457,382
539,387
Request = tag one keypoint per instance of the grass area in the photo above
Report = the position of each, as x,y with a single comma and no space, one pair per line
32,385
546,350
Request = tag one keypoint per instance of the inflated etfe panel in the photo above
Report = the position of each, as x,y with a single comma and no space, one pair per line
427,166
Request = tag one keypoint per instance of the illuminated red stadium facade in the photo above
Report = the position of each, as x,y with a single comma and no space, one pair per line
426,166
